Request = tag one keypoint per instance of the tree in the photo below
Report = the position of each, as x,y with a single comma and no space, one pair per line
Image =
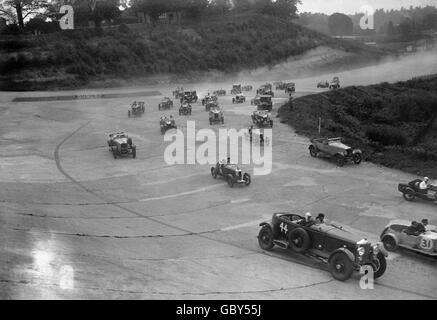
430,21
391,31
340,24
19,10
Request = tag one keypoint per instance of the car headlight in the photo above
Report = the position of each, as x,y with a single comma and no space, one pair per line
375,249
361,251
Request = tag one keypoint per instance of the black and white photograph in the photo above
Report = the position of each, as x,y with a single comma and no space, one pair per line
241,151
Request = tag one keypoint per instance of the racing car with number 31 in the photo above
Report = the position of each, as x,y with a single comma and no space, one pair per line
343,251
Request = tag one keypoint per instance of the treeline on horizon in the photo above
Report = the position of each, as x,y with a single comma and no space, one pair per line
404,23
45,13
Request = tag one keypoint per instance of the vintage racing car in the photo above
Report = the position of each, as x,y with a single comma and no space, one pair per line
411,191
232,174
290,88
265,90
323,84
262,118
185,109
209,98
165,103
216,115
189,96
120,144
211,104
265,103
247,88
136,109
335,83
335,148
398,233
343,251
220,92
239,98
167,123
178,93
236,89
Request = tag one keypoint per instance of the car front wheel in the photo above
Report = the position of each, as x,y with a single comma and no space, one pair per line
214,173
340,266
379,265
389,243
230,181
339,159
313,151
265,238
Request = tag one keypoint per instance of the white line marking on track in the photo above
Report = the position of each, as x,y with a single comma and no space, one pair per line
244,225
240,200
181,193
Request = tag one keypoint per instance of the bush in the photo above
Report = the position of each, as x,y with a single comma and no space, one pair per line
386,136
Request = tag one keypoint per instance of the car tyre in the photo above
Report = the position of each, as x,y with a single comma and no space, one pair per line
340,266
265,238
134,153
313,151
357,158
379,266
389,243
409,195
247,179
339,159
299,240
214,173
114,153
230,181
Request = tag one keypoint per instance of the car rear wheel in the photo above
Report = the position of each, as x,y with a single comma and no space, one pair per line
379,265
357,158
340,266
247,179
265,238
389,243
313,151
409,195
299,240
339,159
114,153
134,153
214,173
230,181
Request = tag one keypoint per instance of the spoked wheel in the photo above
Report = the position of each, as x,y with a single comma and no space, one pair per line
340,266
357,158
230,181
265,238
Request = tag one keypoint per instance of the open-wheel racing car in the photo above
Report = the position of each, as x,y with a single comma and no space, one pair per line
232,174
401,233
220,92
290,88
335,148
239,98
178,93
335,83
136,109
236,89
265,90
262,118
343,251
323,84
185,109
265,103
412,190
167,123
211,104
189,96
216,115
120,144
165,103
209,98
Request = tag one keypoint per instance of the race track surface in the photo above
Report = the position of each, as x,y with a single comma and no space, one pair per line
75,223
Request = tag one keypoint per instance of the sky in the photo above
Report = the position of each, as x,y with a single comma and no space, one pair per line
353,6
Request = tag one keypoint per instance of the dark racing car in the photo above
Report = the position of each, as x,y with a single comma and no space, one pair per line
232,174
343,251
411,191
